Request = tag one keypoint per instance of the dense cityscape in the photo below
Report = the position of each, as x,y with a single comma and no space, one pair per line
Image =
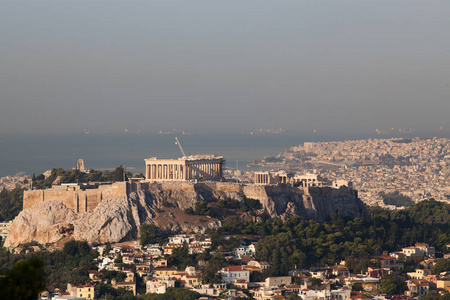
417,168
373,256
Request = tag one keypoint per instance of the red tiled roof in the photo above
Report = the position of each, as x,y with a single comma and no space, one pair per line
234,268
85,286
387,257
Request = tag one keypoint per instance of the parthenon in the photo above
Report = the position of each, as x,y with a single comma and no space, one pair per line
184,168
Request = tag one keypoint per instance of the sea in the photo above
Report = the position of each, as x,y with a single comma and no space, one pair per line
37,153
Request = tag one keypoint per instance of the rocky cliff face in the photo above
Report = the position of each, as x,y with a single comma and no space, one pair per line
315,203
119,219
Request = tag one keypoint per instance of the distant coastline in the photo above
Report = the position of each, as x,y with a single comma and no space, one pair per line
36,154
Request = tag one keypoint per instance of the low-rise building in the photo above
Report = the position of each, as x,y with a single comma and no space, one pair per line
232,273
159,285
154,287
419,274
443,283
340,294
131,286
87,291
341,271
261,265
419,249
391,263
167,271
417,288
278,281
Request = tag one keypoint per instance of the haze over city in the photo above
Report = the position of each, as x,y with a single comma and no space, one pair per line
203,66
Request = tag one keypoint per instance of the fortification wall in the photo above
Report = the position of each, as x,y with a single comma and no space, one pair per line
278,201
182,186
31,198
75,198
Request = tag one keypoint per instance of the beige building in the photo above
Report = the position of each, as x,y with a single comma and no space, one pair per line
87,291
443,284
4,229
184,168
419,274
417,288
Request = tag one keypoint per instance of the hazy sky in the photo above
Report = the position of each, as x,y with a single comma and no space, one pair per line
66,66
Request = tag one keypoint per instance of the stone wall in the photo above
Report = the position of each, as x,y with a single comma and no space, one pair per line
278,201
76,198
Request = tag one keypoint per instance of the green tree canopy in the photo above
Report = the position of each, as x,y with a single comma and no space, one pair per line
441,265
392,284
149,234
25,281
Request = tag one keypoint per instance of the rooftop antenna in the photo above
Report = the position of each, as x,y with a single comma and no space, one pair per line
177,142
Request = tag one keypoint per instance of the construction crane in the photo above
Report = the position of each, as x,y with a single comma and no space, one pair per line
177,142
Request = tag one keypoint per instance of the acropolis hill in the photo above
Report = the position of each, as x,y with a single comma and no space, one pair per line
113,212
89,215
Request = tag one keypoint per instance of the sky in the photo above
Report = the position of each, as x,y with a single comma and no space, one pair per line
223,66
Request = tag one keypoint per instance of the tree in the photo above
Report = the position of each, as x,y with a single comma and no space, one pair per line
180,258
107,248
25,281
357,286
201,208
396,198
209,273
77,248
392,284
149,234
105,291
441,265
118,174
434,295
